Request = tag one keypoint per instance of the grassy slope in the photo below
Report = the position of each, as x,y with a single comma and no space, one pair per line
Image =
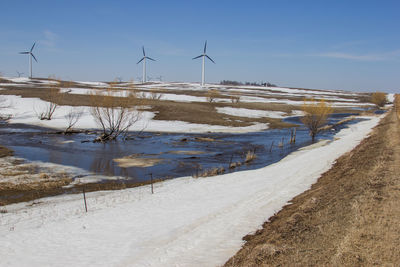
349,217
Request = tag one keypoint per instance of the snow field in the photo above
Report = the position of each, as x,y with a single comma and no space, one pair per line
25,110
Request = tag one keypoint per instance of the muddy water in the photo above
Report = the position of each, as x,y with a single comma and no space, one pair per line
173,154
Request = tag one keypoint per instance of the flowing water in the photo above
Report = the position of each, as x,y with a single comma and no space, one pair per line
176,154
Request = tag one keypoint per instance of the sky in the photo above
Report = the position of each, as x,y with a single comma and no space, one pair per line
349,45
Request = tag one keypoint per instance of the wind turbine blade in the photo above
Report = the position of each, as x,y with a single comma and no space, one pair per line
33,46
150,58
24,53
197,57
140,60
210,59
144,54
205,47
33,57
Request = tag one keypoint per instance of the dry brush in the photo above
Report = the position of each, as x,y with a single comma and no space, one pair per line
114,115
316,115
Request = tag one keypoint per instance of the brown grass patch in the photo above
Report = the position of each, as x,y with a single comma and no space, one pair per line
350,217
133,161
5,152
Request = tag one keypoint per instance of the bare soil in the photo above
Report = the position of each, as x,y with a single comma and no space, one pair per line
350,217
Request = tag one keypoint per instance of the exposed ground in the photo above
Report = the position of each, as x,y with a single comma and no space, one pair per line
350,217
198,110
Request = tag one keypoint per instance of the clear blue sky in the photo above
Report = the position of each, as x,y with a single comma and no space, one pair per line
351,45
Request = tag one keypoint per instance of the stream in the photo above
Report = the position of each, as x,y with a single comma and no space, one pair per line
178,154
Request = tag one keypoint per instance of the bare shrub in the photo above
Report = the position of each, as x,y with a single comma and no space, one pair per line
379,99
3,211
316,115
47,111
210,172
150,95
72,118
156,96
114,115
212,95
250,156
235,99
234,165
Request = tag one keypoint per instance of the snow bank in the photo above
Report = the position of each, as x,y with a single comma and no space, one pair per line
251,113
97,84
187,222
390,97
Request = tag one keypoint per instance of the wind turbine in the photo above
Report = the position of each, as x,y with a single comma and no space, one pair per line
204,55
19,74
30,59
144,64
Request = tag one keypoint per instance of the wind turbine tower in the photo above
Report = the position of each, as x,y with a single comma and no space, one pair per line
144,64
204,55
31,55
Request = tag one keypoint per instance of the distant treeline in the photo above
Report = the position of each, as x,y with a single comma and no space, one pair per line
266,84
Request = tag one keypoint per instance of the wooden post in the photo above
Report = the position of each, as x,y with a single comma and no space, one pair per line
151,180
272,144
291,135
294,135
84,198
230,162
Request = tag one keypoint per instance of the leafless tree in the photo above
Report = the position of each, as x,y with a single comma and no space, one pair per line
114,115
72,118
46,111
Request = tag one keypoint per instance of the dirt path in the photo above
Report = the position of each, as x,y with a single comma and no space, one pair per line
350,217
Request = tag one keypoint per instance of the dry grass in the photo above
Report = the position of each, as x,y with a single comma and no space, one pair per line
133,161
4,152
210,172
212,95
316,114
350,217
379,99
234,165
250,156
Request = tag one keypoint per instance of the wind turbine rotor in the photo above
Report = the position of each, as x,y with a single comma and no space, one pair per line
33,57
140,60
210,59
33,46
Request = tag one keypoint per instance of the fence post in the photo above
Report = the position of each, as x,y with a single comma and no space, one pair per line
294,135
151,181
84,198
